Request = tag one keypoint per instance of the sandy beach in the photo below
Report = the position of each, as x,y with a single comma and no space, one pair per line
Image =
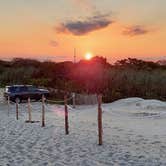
133,134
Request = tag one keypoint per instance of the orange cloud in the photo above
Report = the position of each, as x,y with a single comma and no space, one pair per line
135,30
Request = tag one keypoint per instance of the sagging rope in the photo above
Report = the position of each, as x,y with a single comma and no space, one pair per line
60,101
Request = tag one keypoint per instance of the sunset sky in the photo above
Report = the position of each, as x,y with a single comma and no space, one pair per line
51,29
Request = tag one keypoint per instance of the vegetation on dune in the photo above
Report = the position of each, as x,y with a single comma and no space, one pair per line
126,78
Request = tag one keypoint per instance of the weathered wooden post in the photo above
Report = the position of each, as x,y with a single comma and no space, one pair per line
29,110
43,111
16,109
74,100
8,104
66,116
100,130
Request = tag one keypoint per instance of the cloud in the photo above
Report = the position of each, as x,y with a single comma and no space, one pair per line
53,43
83,27
135,30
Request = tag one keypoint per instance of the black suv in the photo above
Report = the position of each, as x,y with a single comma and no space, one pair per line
23,92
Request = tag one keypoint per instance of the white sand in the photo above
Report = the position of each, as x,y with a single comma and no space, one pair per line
134,134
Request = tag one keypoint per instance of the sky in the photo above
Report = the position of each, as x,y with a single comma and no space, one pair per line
52,29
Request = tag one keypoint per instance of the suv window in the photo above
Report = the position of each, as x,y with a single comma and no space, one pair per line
22,88
32,88
10,89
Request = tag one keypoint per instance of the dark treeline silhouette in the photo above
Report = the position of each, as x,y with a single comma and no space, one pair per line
126,78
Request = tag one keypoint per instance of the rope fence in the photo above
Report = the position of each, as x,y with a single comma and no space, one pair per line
20,110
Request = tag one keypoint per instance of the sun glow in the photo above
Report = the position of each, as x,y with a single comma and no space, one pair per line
88,56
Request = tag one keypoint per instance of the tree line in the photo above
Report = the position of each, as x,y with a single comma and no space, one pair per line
126,78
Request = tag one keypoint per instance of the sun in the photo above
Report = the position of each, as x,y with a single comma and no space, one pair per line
88,56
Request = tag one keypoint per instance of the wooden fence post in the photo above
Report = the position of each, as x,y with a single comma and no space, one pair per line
8,103
66,116
16,109
74,100
29,110
43,111
100,130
